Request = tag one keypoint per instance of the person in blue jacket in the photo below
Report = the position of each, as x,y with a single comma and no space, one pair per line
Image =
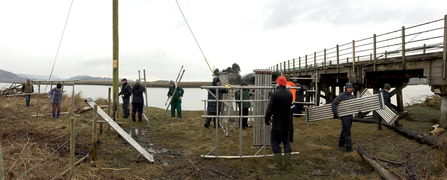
56,97
212,106
346,121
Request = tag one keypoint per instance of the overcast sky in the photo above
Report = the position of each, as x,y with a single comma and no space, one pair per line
153,35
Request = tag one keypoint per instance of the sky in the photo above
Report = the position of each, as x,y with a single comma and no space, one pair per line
153,35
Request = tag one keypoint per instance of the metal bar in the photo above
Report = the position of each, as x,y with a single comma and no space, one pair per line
238,157
444,54
147,99
123,133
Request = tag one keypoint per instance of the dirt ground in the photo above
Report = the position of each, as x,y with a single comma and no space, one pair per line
38,148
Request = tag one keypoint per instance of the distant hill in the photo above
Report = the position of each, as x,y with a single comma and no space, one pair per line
6,76
89,78
39,77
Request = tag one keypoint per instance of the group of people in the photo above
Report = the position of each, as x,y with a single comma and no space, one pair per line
137,99
175,92
55,96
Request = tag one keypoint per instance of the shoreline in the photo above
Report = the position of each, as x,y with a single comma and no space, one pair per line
110,83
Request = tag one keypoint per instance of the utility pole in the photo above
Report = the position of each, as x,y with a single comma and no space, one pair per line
115,59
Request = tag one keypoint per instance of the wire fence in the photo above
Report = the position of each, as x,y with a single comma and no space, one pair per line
423,38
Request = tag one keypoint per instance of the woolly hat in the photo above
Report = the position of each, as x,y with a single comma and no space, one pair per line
171,82
59,85
349,85
124,79
28,80
243,82
387,86
282,81
137,81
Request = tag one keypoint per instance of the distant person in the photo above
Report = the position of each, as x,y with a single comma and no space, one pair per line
27,88
137,100
279,108
293,107
56,98
212,106
243,111
346,121
387,98
176,102
126,92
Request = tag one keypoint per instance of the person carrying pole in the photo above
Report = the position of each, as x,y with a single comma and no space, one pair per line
27,88
212,106
55,96
346,121
279,108
387,98
243,110
176,93
126,92
137,100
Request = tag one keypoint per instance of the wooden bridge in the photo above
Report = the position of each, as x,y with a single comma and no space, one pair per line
394,57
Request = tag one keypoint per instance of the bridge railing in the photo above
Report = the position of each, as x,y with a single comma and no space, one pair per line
418,39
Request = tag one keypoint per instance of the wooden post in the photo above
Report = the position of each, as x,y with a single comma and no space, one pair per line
284,68
444,54
299,65
94,131
288,66
403,48
280,68
338,60
1,163
375,52
109,103
324,61
385,174
305,67
115,59
72,99
38,98
72,148
315,62
386,54
294,70
423,51
277,70
353,55
49,100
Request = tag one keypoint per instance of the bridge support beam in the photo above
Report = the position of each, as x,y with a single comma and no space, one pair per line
443,120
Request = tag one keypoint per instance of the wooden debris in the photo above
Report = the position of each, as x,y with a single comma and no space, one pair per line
84,109
385,174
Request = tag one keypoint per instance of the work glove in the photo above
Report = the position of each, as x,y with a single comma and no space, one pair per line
122,95
267,121
170,96
180,97
336,116
228,86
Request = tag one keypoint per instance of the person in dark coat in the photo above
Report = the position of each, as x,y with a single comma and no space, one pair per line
176,102
27,88
300,97
56,98
245,105
279,108
346,121
387,98
137,100
212,106
126,92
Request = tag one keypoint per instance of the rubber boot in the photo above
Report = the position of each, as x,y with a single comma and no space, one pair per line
54,115
278,161
288,158
58,113
139,116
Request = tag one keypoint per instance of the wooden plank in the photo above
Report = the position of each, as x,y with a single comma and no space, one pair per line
385,174
123,134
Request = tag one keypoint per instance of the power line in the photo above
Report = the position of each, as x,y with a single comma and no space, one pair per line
194,38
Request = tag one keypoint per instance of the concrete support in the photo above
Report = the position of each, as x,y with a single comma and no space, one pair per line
400,99
443,120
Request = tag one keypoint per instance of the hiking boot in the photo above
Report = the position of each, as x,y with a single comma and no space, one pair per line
349,150
278,161
288,159
206,127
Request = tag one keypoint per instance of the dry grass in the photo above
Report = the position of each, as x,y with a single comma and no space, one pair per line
178,144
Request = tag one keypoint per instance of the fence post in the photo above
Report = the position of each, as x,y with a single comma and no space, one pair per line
324,61
305,67
315,61
72,100
299,65
284,68
72,148
403,48
338,60
94,131
288,66
294,70
444,54
423,51
353,55
374,51
386,54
